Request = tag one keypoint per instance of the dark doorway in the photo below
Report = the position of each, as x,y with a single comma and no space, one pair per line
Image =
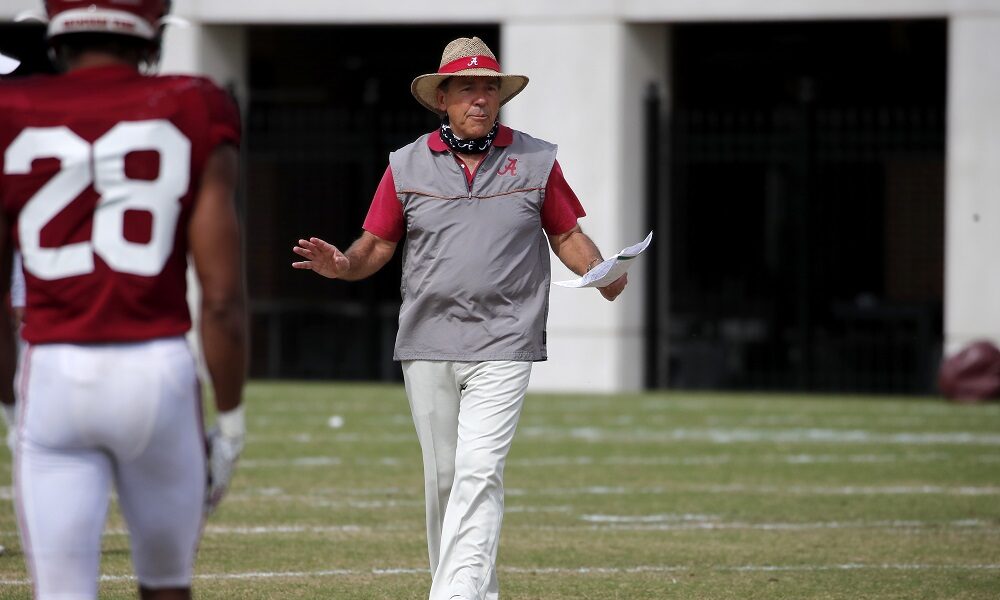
26,42
806,206
327,105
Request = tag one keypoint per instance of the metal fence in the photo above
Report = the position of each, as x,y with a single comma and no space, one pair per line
805,245
312,171
806,248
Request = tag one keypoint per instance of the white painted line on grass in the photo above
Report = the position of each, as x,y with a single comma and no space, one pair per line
646,435
753,458
748,435
612,523
334,436
333,497
662,518
392,571
272,529
686,460
778,402
327,461
332,500
303,461
537,509
267,529
795,490
609,522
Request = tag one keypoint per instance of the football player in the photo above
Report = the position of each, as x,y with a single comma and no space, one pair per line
109,179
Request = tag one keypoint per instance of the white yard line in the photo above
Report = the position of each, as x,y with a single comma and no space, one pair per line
773,403
706,523
302,461
409,498
326,437
753,458
393,571
307,462
664,522
645,435
794,490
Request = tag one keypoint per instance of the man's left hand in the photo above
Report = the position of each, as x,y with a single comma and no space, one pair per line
611,291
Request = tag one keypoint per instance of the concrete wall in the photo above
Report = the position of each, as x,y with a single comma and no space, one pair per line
492,11
588,82
458,11
972,238
218,52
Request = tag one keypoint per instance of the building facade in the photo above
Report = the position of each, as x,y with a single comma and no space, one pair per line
594,64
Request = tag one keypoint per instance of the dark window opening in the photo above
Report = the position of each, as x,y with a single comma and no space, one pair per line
806,206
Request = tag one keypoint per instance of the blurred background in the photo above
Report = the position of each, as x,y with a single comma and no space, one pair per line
821,177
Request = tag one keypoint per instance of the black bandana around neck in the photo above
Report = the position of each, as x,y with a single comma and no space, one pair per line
476,146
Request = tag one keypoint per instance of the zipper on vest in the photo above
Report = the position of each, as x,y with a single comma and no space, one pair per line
464,168
472,179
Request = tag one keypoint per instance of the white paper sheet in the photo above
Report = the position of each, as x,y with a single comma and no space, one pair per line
611,269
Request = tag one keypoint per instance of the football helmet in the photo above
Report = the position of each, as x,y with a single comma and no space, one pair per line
138,18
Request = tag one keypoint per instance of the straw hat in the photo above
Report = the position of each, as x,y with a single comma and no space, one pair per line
466,57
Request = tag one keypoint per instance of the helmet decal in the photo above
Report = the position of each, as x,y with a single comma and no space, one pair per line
137,18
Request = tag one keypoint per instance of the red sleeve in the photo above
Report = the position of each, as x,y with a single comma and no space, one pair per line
223,117
385,217
561,208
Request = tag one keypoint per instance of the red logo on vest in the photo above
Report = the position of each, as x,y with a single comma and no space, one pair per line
510,167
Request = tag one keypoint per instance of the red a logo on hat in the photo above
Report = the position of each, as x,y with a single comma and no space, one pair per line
473,62
510,167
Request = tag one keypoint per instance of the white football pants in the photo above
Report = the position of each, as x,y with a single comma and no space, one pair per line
465,415
92,415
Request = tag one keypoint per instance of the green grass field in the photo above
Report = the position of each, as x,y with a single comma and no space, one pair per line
659,495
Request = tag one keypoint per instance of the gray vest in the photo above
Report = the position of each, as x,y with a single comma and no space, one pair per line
475,281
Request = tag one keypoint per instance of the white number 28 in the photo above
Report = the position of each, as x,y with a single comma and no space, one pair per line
103,165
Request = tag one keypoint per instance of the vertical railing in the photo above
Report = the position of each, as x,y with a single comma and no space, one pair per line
809,306
313,172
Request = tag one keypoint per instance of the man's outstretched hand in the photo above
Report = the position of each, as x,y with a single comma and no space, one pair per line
321,257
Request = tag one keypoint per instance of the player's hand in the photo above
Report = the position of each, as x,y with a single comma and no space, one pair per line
225,443
321,257
611,291
10,418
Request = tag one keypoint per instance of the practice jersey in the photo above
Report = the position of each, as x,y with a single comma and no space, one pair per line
99,172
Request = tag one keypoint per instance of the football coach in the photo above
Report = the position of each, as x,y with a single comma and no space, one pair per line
478,204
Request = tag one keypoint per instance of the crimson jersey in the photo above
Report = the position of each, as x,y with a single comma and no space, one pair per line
99,173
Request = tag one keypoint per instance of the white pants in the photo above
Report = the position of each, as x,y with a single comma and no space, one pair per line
93,415
465,416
